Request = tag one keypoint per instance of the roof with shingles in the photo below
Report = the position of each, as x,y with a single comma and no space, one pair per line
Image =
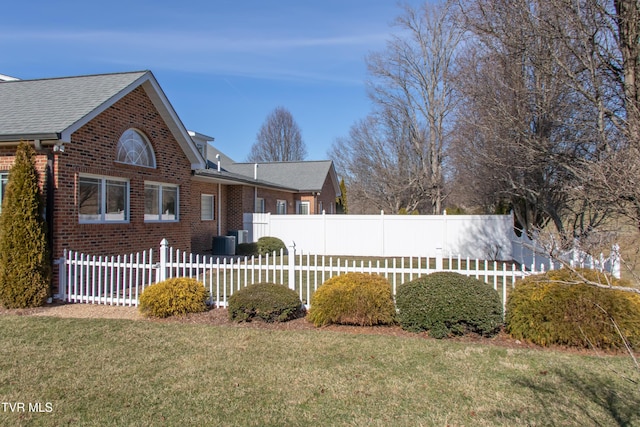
305,176
50,106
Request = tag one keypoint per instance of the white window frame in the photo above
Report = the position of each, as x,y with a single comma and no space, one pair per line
300,204
140,142
103,216
160,217
4,179
207,201
281,204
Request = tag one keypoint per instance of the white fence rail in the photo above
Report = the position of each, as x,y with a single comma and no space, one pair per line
120,280
528,253
474,236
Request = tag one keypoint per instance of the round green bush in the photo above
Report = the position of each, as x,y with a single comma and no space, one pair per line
266,301
173,297
353,299
447,303
268,245
558,307
247,249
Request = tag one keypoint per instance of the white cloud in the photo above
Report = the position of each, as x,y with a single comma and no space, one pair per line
337,59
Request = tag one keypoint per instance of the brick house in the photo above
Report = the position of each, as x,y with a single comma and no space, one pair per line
120,172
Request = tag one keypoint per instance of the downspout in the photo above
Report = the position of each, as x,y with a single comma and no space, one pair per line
219,198
255,188
49,188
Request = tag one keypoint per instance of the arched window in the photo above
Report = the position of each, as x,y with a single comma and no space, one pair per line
134,149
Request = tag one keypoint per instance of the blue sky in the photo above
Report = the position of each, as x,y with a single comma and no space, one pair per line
224,64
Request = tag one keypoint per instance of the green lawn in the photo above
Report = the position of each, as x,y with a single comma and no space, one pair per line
121,372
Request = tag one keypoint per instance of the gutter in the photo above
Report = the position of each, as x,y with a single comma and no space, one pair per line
46,138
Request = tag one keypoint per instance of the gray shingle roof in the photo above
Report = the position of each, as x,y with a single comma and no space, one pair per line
50,106
303,176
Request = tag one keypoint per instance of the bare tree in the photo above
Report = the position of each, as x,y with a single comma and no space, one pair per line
515,127
551,125
550,107
380,165
279,139
604,36
394,159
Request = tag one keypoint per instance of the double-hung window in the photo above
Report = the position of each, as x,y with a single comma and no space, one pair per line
207,207
161,202
103,199
281,207
302,208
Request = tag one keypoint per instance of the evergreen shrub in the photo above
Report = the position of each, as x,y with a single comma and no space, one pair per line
268,245
247,249
558,307
173,297
266,301
353,299
447,303
25,266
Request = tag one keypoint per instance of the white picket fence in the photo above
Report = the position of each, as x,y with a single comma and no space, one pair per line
120,280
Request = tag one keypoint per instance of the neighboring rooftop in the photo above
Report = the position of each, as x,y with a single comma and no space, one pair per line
303,175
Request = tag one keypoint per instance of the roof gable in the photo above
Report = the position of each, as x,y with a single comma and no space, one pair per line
51,106
55,108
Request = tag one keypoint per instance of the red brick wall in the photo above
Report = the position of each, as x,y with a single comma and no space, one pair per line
328,196
92,150
8,158
272,196
236,205
202,232
241,200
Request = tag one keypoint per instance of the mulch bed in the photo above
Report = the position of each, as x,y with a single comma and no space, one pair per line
219,317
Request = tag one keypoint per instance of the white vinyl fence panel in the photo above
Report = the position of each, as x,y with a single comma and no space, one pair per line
474,236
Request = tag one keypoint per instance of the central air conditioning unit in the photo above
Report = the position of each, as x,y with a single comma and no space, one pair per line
242,236
224,245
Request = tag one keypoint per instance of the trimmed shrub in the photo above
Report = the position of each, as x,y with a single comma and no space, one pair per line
447,303
353,299
173,297
247,249
268,245
559,308
25,268
266,301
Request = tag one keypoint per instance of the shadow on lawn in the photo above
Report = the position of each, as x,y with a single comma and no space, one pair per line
566,395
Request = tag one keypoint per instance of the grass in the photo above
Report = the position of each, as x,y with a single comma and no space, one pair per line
120,372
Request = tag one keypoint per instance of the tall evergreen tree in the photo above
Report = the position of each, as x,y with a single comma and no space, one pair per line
25,269
341,202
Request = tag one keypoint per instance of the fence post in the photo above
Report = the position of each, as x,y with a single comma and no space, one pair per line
161,274
439,263
62,276
615,261
292,265
382,243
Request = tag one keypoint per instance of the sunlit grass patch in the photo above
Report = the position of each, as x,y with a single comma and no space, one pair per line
120,372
